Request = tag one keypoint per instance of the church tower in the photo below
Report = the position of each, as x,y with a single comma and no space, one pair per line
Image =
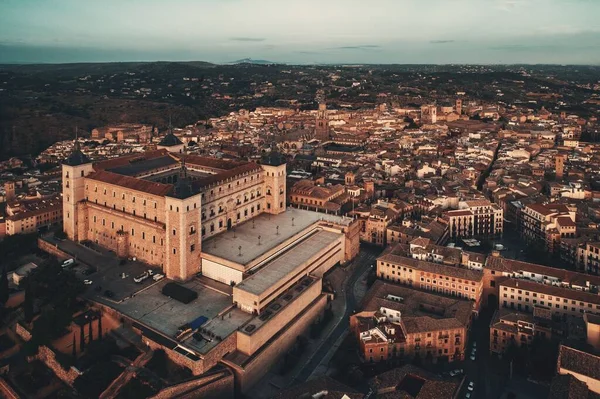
74,170
322,123
9,187
458,106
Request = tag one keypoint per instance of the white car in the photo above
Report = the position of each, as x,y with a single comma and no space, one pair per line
150,272
158,277
456,372
87,282
472,357
141,277
471,386
468,395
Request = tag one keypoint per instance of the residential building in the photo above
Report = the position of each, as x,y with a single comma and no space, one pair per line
400,322
29,216
546,224
432,268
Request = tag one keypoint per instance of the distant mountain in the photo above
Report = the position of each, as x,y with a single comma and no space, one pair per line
251,61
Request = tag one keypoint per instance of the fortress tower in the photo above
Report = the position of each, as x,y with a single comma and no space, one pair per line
74,170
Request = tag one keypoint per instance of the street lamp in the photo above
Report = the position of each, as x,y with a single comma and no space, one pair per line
240,249
259,240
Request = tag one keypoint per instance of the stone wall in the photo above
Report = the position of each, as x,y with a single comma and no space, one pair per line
6,390
197,367
211,386
22,332
250,373
52,249
47,356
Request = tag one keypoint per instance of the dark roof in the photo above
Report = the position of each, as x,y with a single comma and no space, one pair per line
183,187
77,157
170,140
412,382
140,165
568,387
179,293
273,158
326,385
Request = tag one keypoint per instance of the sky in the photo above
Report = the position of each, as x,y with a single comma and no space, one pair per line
302,31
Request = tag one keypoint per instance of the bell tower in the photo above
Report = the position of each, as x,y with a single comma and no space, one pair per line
9,187
322,123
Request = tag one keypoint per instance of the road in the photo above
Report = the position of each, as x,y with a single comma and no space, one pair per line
358,266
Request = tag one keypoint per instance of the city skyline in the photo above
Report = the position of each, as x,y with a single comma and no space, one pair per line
381,32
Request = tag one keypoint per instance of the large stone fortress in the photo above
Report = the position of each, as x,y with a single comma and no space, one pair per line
159,206
228,220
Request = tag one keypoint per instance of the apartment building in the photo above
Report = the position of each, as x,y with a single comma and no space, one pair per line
580,290
546,224
436,230
475,219
400,322
512,328
374,220
306,194
588,257
433,268
28,216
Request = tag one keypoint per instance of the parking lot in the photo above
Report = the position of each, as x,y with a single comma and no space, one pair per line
111,279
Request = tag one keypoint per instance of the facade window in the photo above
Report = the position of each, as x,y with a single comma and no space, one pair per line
192,247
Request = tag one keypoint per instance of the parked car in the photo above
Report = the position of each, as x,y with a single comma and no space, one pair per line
158,277
471,386
68,262
87,282
456,372
141,277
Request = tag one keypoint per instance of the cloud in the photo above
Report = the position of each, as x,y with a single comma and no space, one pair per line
359,47
441,41
247,39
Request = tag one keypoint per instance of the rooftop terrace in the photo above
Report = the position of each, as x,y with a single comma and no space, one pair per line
225,245
288,261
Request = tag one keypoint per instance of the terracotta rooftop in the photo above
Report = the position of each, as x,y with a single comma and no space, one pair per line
579,362
412,382
146,186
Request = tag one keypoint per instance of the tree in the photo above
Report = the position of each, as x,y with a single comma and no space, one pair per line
28,305
81,338
91,331
100,326
4,287
74,353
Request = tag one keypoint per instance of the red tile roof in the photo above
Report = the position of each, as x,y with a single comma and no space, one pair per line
131,182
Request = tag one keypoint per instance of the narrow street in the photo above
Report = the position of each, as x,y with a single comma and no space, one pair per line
357,268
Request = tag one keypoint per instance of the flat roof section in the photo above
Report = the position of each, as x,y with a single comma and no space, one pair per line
225,245
288,261
166,315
